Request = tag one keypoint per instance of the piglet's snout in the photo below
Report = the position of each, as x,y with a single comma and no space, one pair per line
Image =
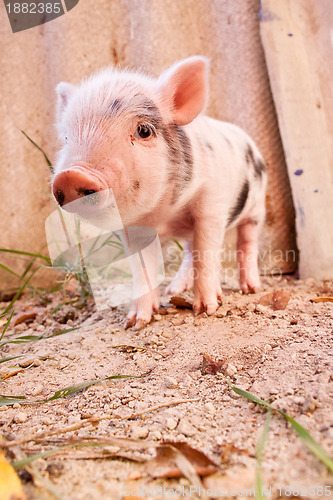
70,185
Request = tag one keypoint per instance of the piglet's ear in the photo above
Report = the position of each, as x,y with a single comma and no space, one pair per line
184,87
64,91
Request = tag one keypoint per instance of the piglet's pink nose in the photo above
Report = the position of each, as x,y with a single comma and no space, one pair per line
70,185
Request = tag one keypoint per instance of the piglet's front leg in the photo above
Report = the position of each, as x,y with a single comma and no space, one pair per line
207,244
141,310
144,267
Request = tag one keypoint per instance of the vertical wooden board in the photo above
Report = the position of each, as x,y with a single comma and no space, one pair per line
298,42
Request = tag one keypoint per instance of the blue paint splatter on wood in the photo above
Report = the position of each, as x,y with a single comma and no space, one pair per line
298,172
316,190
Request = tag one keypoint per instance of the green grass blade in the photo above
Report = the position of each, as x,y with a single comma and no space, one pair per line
12,397
263,438
49,164
307,439
24,339
27,269
9,358
29,254
251,397
74,389
259,454
62,393
11,400
310,442
179,245
20,291
18,464
5,268
61,332
7,324
32,338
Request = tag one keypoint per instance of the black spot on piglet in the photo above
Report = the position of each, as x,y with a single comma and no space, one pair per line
256,162
240,203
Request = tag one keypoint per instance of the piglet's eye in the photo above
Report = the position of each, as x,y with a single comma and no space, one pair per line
143,132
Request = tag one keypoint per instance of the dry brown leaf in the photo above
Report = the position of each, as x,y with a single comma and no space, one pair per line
276,300
180,302
322,299
177,459
211,366
26,316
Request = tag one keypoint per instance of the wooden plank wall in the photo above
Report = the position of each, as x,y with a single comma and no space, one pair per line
297,37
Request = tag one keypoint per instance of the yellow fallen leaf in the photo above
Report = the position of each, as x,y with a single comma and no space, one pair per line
10,485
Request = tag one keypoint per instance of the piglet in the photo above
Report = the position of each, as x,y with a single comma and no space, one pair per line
169,167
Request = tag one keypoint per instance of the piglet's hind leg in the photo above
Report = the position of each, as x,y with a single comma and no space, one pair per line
247,256
184,278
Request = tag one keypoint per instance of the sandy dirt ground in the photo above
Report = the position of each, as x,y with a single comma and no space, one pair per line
182,365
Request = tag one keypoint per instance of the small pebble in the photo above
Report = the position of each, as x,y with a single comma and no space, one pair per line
27,362
170,382
157,317
310,404
324,377
171,423
155,435
177,321
261,309
231,370
209,407
16,406
220,313
20,328
171,310
20,417
140,432
35,390
186,428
